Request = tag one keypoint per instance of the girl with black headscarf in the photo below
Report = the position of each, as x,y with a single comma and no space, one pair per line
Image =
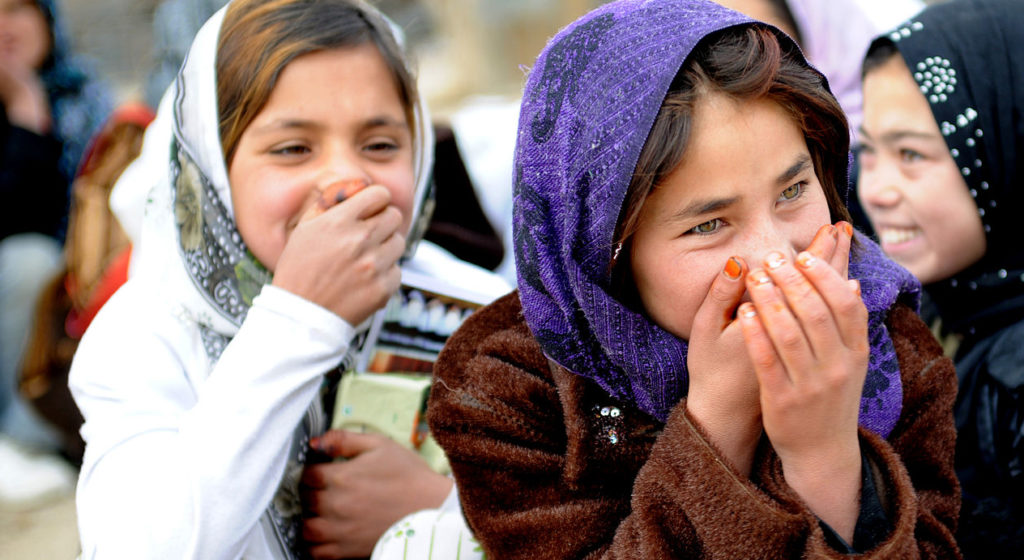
941,171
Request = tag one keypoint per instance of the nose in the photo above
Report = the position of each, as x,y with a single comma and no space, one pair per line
878,187
341,165
769,236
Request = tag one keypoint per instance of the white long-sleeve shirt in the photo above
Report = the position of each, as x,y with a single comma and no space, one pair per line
182,459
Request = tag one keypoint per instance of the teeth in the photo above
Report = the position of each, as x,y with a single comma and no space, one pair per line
894,236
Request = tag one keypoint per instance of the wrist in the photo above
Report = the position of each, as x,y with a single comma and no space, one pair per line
734,435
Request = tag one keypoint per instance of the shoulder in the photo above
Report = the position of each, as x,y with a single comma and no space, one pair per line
135,341
1001,355
495,333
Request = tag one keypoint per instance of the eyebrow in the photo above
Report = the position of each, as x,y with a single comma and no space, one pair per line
803,161
894,136
370,123
704,206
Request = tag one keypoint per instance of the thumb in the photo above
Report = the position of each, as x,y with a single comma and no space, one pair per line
727,289
346,444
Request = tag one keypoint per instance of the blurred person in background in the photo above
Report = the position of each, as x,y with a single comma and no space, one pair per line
942,170
51,107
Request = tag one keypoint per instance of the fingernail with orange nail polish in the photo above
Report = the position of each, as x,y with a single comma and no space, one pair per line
748,311
775,260
733,268
805,259
847,228
759,277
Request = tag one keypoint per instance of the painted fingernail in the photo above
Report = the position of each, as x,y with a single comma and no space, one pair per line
806,260
760,277
854,285
847,228
834,232
747,310
733,268
775,260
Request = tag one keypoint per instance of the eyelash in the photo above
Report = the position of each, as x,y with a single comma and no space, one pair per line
289,150
717,222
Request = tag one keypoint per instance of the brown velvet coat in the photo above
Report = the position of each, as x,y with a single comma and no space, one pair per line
542,473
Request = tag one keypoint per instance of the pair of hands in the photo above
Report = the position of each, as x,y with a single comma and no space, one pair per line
23,97
801,344
349,504
343,253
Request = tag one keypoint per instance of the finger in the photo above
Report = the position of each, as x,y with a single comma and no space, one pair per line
841,257
391,250
339,191
771,374
823,245
812,313
316,530
315,476
362,204
343,443
779,322
842,296
327,551
719,307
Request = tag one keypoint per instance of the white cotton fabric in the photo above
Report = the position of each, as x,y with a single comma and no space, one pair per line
186,450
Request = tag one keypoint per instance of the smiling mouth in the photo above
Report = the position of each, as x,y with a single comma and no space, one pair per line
896,236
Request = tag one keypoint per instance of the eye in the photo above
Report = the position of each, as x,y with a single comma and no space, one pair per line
910,156
290,150
708,227
792,192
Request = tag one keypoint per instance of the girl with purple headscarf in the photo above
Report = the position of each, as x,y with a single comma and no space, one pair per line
703,360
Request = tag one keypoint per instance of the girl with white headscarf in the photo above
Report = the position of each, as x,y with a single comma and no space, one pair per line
291,174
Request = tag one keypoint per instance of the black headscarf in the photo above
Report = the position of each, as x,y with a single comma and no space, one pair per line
967,57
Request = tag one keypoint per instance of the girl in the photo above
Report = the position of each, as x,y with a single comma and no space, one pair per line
940,180
687,370
296,165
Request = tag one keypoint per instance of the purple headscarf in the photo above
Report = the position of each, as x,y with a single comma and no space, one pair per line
588,108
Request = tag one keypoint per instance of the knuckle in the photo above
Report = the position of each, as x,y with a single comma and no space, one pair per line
790,341
764,360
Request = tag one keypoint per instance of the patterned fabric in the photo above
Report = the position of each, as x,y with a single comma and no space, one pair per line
588,107
78,103
967,57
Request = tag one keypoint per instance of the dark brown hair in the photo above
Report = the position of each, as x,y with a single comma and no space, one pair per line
260,37
744,63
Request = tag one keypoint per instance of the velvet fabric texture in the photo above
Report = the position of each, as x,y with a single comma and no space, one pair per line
587,110
548,465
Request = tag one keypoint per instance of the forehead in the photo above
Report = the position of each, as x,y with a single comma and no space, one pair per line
892,99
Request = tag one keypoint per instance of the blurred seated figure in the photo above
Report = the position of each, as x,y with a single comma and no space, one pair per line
50,108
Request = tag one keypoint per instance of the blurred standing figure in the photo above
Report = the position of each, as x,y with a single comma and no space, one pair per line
942,166
51,107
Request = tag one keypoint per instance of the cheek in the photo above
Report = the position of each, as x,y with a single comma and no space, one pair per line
672,288
402,186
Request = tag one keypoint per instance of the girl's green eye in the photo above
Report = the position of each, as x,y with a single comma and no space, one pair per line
709,226
792,192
